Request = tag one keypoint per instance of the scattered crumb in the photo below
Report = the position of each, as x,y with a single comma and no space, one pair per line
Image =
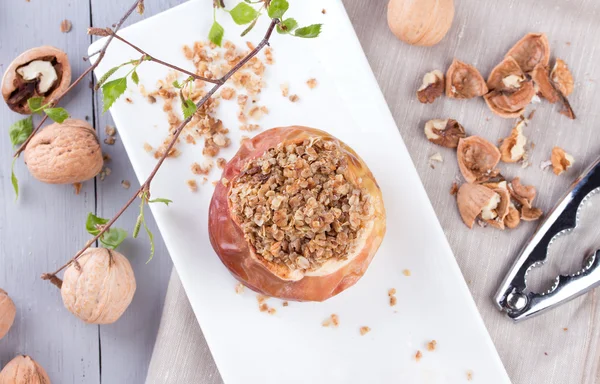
151,99
565,329
546,353
77,187
239,288
332,320
454,188
312,83
436,157
214,183
323,11
106,157
221,162
364,330
531,114
110,140
393,301
263,307
391,294
147,147
293,98
242,100
66,26
285,89
431,345
406,272
224,181
256,112
128,100
418,355
110,130
227,93
249,127
190,139
203,169
568,43
192,185
469,375
271,311
285,304
242,117
125,184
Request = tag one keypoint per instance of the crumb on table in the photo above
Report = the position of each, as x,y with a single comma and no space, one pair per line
406,272
77,187
285,304
431,345
239,288
293,98
364,330
125,184
192,185
312,83
147,147
469,375
332,320
418,355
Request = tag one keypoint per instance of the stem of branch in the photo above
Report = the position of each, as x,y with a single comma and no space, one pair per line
146,185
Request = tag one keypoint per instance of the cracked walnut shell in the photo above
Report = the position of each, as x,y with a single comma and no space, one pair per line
513,147
276,224
64,153
446,133
509,103
549,90
23,370
477,159
524,194
99,286
463,81
7,313
475,200
506,76
531,50
423,22
432,87
561,160
39,72
562,77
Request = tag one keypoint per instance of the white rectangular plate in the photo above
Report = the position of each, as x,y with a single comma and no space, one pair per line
292,346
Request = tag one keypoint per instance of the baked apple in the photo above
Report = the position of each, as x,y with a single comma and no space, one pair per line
297,215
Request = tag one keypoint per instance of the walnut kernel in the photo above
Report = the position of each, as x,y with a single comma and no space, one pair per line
432,87
446,133
561,160
513,147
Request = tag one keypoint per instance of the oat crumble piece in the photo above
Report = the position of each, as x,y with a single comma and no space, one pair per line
418,355
263,307
151,99
271,311
431,345
454,188
406,272
239,288
392,292
125,184
323,11
77,187
393,301
332,320
224,181
66,26
242,117
203,169
221,162
249,127
147,147
190,139
364,330
256,112
565,329
227,93
293,98
285,304
285,89
469,375
110,130
312,83
110,140
192,185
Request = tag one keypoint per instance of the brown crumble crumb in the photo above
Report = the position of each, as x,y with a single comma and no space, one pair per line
239,288
263,307
261,298
110,140
312,83
249,127
221,162
532,145
204,169
431,345
565,329
364,330
224,181
531,114
77,187
392,292
271,311
242,117
323,11
568,43
469,375
128,100
285,304
151,99
190,139
393,301
204,180
110,130
214,183
454,188
406,272
65,26
227,93
546,353
125,184
285,89
418,355
332,320
242,100
106,157
192,185
293,98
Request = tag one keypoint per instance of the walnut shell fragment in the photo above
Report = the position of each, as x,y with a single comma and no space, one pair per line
475,200
432,87
423,22
561,160
496,215
477,159
463,81
549,90
506,76
531,50
7,313
64,153
513,147
446,133
524,194
510,103
99,286
39,72
562,77
23,370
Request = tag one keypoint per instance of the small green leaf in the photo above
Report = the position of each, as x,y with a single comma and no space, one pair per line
135,77
188,107
92,223
308,32
216,33
277,8
14,180
20,130
243,14
161,200
138,223
252,24
108,74
112,90
57,114
113,237
151,237
287,26
35,103
177,84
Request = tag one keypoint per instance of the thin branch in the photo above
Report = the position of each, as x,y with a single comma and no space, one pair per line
146,185
101,54
152,58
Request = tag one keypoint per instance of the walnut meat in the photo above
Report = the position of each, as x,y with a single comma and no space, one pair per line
513,218
432,87
39,72
463,81
423,22
23,370
446,133
7,313
562,77
477,159
99,287
64,153
513,147
561,160
531,50
301,217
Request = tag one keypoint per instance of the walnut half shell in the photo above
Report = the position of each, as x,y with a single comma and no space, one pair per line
511,103
446,133
39,72
7,313
506,76
463,81
531,50
476,200
477,159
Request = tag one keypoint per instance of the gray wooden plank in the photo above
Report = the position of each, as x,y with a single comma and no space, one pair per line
46,226
126,346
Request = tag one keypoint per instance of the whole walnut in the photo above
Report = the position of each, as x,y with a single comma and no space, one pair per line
99,287
423,22
7,313
23,370
64,153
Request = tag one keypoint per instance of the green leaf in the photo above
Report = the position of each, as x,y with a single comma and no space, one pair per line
252,24
135,77
287,26
138,223
92,223
108,74
177,84
35,103
57,114
277,8
13,179
188,107
113,237
216,33
243,14
20,130
151,237
308,32
161,200
112,90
